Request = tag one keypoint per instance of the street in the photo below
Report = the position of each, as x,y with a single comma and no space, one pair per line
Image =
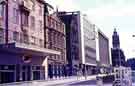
82,83
71,81
79,83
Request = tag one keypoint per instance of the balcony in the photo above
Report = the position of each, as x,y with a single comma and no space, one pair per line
20,42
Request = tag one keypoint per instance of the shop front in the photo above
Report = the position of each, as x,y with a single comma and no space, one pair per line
56,70
19,64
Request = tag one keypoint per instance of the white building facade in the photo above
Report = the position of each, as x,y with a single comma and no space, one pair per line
88,44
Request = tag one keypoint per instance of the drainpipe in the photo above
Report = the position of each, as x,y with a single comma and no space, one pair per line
6,22
45,25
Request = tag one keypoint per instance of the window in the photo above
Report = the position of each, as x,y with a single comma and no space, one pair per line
33,40
41,42
15,36
16,15
25,18
40,26
49,21
1,32
33,22
1,36
25,39
15,0
1,10
40,10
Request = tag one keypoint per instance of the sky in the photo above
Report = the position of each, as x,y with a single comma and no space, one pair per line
107,15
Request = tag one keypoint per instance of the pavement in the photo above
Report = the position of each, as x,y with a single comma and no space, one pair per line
70,81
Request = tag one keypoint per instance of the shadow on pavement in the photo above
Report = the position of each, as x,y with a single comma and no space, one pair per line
88,82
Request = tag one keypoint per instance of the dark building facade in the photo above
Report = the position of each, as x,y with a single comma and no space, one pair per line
131,63
72,41
118,57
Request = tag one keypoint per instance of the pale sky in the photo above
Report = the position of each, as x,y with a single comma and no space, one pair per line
107,14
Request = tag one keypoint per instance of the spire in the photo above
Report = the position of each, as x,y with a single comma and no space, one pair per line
115,39
115,30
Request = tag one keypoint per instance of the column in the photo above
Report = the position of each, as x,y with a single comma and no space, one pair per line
20,73
45,64
59,71
15,74
55,70
31,73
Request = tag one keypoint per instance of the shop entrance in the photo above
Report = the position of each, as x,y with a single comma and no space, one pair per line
7,73
36,75
7,77
26,73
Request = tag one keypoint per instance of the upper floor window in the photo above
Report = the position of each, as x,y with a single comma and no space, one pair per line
16,15
14,0
40,10
1,35
25,18
49,21
1,9
25,38
32,22
41,42
40,25
33,40
16,36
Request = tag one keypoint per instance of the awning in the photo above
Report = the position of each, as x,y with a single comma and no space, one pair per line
21,48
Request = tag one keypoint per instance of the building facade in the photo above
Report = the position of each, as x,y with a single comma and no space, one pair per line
118,57
23,56
88,45
104,53
55,39
73,45
81,48
130,63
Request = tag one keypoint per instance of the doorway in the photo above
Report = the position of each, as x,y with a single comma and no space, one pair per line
26,73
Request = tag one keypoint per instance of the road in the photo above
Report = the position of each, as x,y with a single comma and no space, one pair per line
58,83
81,83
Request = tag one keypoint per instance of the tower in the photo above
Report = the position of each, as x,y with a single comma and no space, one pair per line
115,39
118,57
